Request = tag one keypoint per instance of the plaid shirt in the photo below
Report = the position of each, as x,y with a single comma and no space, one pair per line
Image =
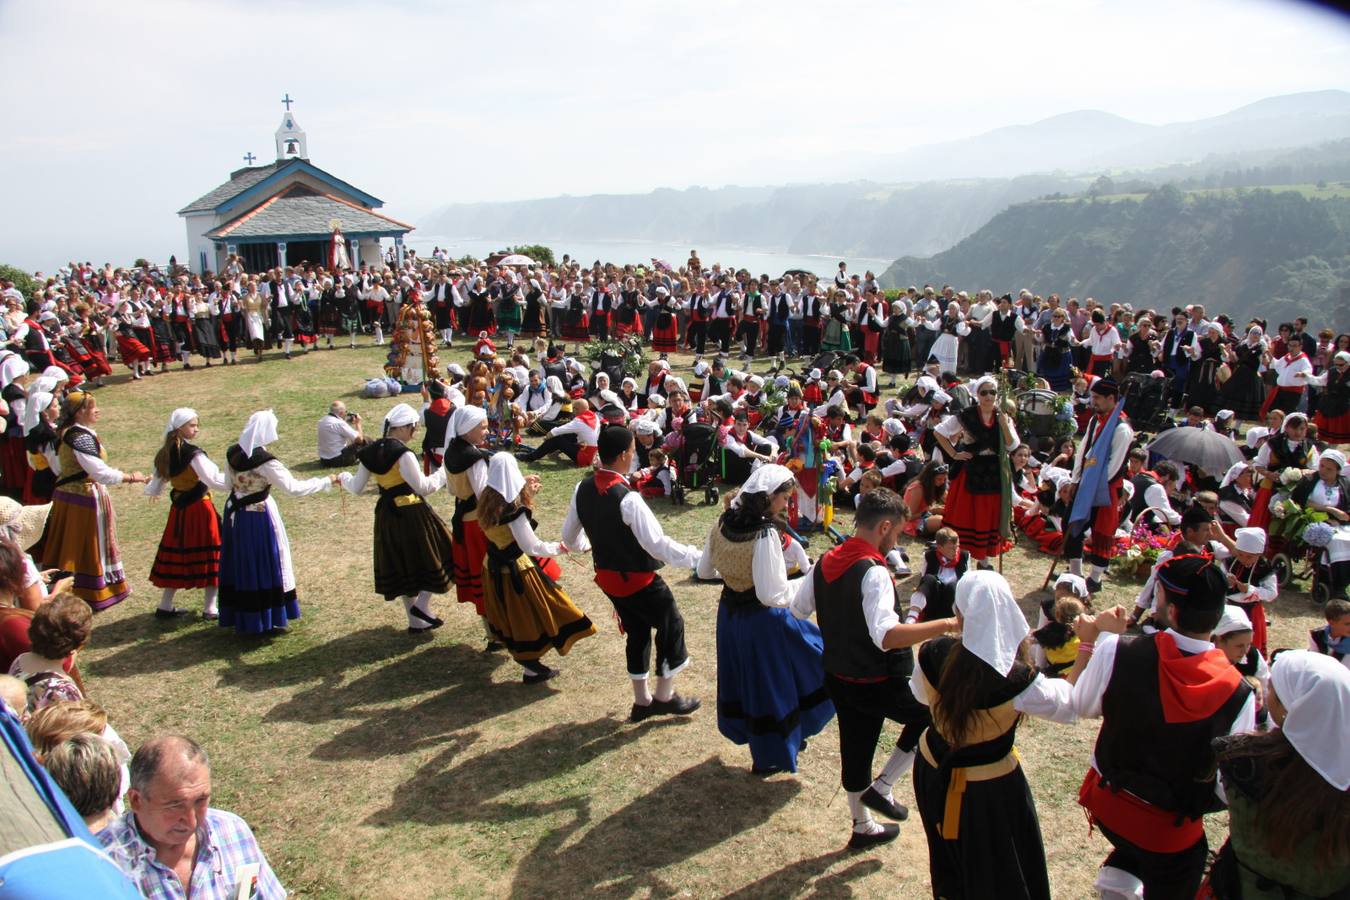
224,843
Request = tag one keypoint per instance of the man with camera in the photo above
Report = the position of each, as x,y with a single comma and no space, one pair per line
340,436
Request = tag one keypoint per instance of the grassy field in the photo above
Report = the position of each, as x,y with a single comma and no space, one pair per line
373,763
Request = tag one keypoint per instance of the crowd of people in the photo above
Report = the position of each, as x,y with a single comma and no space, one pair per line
1199,711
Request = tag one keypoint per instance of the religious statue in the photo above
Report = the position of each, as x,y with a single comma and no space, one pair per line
339,258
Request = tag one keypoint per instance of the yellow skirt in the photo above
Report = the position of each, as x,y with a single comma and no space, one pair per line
82,539
527,611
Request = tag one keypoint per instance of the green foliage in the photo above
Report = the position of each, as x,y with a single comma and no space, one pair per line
1246,253
630,349
22,280
537,252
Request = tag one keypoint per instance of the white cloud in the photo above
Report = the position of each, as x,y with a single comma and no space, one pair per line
118,114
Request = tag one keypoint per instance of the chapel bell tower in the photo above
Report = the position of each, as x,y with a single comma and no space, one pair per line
290,137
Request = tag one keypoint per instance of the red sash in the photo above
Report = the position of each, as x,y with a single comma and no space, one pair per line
1142,824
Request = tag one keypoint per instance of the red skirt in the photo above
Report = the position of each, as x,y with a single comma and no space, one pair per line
974,517
131,350
1257,613
15,474
576,330
189,551
470,549
666,339
1333,429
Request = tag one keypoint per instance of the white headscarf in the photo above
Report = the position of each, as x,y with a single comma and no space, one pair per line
993,626
1056,476
259,431
504,476
1234,618
1335,456
553,384
466,419
400,415
32,411
1075,582
1315,689
1234,472
177,419
764,480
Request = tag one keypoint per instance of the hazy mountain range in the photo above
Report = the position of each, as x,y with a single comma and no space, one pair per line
925,199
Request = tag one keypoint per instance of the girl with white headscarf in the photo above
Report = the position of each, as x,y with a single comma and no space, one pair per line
1327,491
466,470
257,580
1236,494
413,552
82,529
1244,391
1288,815
39,439
189,550
770,672
523,606
984,839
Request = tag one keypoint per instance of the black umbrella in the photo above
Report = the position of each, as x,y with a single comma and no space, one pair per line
1201,447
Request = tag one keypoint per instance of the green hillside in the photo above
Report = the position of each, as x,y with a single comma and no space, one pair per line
1272,253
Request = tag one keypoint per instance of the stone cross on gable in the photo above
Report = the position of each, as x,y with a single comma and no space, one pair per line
288,101
249,158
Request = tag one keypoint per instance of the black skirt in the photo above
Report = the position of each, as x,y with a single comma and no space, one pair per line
998,851
412,550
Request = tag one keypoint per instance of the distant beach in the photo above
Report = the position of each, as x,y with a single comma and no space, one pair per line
757,260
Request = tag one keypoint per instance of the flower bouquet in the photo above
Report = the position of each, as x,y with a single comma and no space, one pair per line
1137,553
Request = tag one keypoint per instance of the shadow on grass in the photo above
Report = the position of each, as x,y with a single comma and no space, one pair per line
622,855
792,879
468,792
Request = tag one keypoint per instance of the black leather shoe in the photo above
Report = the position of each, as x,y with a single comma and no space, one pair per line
542,675
492,646
174,613
872,799
640,712
1094,586
888,833
676,705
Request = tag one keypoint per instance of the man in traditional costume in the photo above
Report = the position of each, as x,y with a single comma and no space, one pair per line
628,546
1098,471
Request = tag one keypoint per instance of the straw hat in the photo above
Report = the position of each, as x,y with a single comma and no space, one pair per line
24,522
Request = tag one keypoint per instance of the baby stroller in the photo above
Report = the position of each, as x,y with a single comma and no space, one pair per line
1293,558
1038,416
696,463
1145,401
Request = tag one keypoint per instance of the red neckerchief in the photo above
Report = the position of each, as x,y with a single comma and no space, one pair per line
440,406
588,417
1193,687
606,479
1293,357
944,562
839,560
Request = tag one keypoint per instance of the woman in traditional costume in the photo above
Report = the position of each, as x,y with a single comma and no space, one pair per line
40,416
984,839
189,551
978,453
412,545
1244,391
82,529
770,672
257,581
1288,819
1289,449
1333,401
466,467
1056,360
523,605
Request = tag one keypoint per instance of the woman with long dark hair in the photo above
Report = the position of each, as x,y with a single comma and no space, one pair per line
770,673
978,440
189,552
984,839
925,497
1288,815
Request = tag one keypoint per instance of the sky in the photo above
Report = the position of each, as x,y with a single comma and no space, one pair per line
116,115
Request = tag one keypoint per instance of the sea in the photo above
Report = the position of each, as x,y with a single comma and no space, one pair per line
757,260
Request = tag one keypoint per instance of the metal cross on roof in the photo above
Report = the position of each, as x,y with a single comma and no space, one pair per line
249,158
288,101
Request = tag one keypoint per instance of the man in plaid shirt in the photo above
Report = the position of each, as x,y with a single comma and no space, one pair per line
172,844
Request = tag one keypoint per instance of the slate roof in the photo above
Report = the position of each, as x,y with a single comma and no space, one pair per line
240,181
300,211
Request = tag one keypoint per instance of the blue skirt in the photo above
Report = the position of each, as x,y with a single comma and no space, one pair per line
253,597
1057,375
770,682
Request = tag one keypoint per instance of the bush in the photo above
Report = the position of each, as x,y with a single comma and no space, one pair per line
537,252
22,280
